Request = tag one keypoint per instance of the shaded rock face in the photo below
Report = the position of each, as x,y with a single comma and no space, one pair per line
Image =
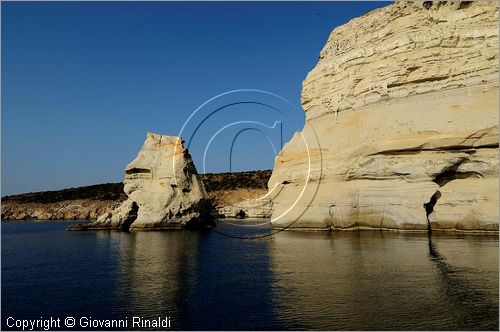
403,105
163,190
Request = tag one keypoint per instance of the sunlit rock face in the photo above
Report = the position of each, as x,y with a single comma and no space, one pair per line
402,124
252,208
163,189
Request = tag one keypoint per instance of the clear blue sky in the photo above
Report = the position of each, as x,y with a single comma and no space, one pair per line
83,82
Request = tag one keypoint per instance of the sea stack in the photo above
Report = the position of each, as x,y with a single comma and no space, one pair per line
163,189
404,106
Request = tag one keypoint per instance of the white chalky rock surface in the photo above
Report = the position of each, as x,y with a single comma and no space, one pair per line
163,189
403,104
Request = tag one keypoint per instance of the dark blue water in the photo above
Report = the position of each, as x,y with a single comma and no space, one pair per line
293,280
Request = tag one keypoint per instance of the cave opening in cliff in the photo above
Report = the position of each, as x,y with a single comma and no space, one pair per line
429,207
136,170
241,215
451,174
447,175
131,217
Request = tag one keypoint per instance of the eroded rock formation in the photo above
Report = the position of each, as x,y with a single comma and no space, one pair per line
402,124
163,190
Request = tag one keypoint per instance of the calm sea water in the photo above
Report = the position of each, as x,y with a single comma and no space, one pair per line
293,280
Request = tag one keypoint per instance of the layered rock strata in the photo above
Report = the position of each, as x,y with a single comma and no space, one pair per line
163,190
401,124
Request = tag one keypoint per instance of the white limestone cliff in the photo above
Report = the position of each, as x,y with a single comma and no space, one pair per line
401,124
163,189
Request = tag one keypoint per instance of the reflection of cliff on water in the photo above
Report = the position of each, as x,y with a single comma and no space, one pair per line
201,280
205,281
466,292
151,268
371,280
231,288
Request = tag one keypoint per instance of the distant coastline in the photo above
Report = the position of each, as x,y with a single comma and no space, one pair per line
89,202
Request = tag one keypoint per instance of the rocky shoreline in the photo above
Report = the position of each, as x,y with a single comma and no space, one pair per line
401,134
90,202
